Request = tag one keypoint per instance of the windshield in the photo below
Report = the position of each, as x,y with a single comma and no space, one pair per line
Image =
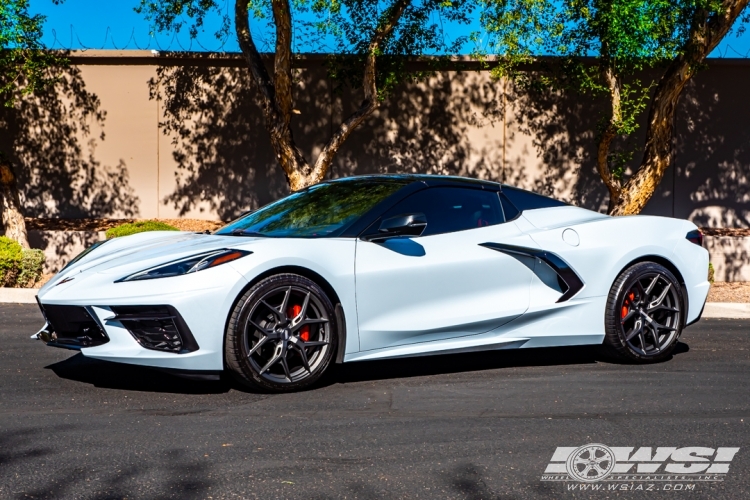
323,210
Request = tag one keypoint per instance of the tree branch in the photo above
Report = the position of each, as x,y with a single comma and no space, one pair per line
705,35
605,141
252,56
282,73
370,102
276,98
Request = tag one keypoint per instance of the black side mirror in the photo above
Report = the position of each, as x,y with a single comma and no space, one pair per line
402,225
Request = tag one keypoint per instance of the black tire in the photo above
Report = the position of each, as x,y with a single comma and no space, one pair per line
293,320
644,314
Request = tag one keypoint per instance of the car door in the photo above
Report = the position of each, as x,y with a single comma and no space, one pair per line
441,284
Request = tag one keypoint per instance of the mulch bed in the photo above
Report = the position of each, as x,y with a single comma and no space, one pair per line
725,231
50,224
737,291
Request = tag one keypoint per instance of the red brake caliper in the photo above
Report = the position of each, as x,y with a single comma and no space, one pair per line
625,307
304,332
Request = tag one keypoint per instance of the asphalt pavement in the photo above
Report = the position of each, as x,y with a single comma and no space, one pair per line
465,426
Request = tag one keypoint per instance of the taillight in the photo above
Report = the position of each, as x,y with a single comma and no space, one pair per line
695,237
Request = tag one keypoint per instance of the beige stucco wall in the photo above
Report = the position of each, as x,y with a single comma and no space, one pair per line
137,134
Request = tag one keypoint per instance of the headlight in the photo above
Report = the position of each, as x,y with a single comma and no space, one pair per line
84,254
188,265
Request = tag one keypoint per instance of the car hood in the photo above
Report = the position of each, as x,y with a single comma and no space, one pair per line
130,254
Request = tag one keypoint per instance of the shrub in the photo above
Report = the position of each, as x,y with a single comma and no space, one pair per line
32,265
11,255
19,267
710,273
138,227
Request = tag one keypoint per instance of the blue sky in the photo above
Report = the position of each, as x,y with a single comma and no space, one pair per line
112,24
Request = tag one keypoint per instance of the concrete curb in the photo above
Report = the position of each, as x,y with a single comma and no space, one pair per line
726,310
18,295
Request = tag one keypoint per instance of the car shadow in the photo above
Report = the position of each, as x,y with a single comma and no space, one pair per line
111,375
478,361
106,374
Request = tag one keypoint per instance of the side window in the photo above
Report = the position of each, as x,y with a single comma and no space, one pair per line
450,209
510,211
526,200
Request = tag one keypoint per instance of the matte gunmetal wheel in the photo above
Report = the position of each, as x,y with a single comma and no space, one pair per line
282,334
644,314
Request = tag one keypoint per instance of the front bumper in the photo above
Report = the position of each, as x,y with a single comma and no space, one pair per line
131,317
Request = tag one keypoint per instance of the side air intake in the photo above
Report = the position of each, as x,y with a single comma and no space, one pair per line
569,281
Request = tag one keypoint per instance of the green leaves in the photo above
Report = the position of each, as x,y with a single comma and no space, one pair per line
600,47
24,65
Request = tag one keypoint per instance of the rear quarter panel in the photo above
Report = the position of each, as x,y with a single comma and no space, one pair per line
609,245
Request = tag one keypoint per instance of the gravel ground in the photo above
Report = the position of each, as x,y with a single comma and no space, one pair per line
730,292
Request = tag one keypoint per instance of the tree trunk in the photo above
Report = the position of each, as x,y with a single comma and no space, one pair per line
608,135
12,216
277,99
706,32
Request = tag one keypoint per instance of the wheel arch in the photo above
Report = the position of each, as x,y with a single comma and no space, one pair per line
658,259
311,275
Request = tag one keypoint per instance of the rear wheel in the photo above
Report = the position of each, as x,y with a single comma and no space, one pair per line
281,334
643,318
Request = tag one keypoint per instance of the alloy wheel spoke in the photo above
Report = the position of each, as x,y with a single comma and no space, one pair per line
302,311
312,343
303,354
657,301
262,330
656,325
257,346
637,329
279,314
651,286
285,365
642,338
664,308
655,335
285,303
641,293
276,356
631,312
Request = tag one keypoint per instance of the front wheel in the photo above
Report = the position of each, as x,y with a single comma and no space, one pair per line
281,335
643,317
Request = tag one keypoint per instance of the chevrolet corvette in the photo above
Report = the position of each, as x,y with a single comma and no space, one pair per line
375,267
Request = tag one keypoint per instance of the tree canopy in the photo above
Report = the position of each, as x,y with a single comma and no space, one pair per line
24,68
24,64
365,39
602,48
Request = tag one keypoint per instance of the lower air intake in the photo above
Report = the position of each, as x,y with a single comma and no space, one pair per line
159,328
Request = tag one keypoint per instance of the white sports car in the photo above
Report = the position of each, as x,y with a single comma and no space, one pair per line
378,267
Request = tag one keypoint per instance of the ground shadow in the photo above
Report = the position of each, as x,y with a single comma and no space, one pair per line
472,362
109,375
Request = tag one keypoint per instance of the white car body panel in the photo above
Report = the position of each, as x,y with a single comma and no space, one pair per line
405,297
